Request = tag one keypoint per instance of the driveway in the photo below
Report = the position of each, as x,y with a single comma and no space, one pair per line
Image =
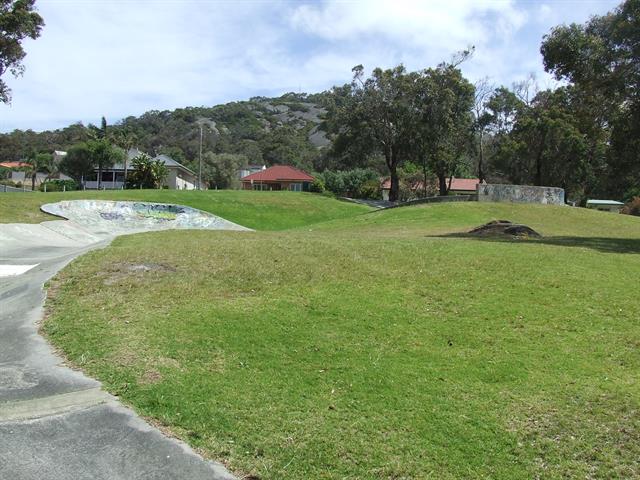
56,423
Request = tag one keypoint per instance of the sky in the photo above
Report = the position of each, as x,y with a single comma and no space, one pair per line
116,58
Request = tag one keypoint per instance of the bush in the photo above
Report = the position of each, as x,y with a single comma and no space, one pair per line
632,207
317,186
59,185
357,183
370,190
631,194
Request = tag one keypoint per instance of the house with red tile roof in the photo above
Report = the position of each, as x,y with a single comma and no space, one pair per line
278,177
459,186
14,164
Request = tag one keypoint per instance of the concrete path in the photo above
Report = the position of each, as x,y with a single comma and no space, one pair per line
56,423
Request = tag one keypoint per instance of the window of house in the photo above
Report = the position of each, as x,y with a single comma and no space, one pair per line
107,176
295,187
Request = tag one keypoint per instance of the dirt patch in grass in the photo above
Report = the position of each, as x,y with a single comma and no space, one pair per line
121,271
150,377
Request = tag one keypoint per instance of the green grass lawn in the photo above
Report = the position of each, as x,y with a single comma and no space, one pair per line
378,346
260,210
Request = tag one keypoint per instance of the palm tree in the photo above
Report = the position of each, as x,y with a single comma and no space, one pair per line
38,162
125,139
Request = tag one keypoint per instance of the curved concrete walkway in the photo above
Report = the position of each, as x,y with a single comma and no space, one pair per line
56,423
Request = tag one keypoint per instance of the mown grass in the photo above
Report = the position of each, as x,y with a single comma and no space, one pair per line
260,210
375,347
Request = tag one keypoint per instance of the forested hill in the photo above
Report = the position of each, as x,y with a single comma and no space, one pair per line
265,130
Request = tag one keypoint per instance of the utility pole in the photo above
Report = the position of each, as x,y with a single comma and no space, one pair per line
200,162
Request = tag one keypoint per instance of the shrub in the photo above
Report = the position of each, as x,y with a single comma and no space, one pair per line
371,190
631,194
317,186
632,207
59,185
350,183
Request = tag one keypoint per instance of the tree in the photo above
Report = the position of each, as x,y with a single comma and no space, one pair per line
103,156
600,60
147,172
482,120
126,139
38,163
221,170
78,163
546,146
18,21
444,132
376,115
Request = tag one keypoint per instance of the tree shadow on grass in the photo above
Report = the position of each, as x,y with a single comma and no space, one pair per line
601,244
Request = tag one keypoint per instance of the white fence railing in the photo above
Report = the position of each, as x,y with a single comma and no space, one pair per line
8,188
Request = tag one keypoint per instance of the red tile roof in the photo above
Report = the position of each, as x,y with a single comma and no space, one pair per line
13,164
279,173
464,184
457,184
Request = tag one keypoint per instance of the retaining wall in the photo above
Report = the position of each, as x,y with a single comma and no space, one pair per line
520,194
443,199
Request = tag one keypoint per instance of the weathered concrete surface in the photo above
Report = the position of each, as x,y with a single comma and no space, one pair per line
56,423
113,217
520,194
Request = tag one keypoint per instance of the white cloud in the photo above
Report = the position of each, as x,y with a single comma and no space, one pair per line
122,58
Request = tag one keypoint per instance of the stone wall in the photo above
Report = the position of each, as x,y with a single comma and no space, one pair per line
520,194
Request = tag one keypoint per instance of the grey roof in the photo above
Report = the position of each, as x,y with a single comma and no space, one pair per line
166,159
604,202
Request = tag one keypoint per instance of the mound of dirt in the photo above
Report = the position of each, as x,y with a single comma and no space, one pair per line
504,228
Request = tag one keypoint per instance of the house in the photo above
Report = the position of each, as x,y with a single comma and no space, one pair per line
179,177
605,205
14,164
459,186
249,169
19,175
278,177
58,155
463,186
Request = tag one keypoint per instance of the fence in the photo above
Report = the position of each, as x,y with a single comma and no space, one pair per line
8,188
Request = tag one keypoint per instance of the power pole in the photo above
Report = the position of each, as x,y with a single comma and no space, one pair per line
200,162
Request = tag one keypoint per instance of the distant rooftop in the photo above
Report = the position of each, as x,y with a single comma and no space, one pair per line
279,173
604,202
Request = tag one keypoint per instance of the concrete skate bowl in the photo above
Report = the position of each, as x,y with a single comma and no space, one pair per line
117,218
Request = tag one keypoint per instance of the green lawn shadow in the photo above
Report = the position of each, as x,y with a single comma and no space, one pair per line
601,244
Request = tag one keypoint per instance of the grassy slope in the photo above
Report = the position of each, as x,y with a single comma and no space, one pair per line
261,210
374,347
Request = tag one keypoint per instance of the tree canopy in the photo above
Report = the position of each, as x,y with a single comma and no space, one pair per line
18,21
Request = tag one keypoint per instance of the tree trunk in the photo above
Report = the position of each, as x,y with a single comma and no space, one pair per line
33,180
126,157
394,192
391,159
538,179
481,159
424,178
99,176
442,185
